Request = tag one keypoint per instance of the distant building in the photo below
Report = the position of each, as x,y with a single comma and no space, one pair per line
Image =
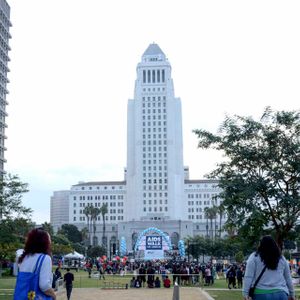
5,24
59,209
156,190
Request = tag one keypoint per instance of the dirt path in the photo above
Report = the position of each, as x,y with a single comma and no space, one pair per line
134,294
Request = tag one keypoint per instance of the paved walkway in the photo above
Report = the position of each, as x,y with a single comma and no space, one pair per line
135,294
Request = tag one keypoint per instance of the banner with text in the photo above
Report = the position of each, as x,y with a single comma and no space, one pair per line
153,242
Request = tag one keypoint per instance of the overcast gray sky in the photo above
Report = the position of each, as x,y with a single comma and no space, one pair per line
73,66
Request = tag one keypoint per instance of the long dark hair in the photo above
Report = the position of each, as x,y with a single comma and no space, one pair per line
37,241
269,252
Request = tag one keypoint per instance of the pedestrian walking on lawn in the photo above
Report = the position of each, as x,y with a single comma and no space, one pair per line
267,275
68,279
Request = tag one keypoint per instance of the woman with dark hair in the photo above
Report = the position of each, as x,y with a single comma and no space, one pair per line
38,242
275,282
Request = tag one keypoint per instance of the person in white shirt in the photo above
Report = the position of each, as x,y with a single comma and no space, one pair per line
38,242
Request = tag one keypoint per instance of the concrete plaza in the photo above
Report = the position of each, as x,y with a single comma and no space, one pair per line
134,294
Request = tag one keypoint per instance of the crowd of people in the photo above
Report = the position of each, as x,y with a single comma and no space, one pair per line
265,274
183,272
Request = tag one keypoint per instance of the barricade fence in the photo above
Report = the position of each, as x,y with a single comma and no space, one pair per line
119,281
113,281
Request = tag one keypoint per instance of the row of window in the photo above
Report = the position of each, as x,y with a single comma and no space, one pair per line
154,136
159,129
155,194
112,218
105,187
153,89
154,155
154,161
155,174
205,202
148,102
192,217
98,204
155,201
112,211
154,123
153,76
104,197
155,209
192,196
154,149
154,117
155,187
155,181
154,111
154,142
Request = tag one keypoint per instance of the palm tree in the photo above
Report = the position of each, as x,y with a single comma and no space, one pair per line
88,213
95,212
221,211
48,227
104,211
210,213
206,212
84,234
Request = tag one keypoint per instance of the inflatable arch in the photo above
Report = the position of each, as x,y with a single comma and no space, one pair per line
156,230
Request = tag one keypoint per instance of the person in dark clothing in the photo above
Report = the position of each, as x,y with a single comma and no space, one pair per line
142,275
157,282
150,273
56,276
239,277
68,279
231,276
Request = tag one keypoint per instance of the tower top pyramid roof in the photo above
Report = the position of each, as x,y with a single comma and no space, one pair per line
153,49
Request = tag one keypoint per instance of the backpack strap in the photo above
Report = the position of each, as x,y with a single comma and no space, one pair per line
261,273
39,263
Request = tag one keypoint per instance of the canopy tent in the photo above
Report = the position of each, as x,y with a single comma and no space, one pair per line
74,255
72,260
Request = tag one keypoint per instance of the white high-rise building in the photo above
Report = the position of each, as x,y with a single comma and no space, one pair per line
156,190
155,172
5,24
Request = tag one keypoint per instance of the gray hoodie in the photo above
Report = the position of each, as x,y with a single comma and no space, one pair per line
271,279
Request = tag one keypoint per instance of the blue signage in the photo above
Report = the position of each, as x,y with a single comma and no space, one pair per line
153,242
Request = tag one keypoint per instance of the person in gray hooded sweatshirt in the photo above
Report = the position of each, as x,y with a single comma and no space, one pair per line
276,281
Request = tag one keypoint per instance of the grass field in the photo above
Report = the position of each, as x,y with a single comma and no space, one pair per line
83,281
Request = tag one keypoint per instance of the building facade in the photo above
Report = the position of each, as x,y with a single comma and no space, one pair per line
156,190
59,209
5,25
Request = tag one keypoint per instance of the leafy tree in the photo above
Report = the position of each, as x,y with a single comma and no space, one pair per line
61,249
261,174
239,257
96,251
48,227
11,191
61,245
60,239
79,247
14,231
198,246
12,236
8,251
71,232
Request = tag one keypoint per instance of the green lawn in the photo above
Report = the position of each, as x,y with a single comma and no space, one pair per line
82,280
225,295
